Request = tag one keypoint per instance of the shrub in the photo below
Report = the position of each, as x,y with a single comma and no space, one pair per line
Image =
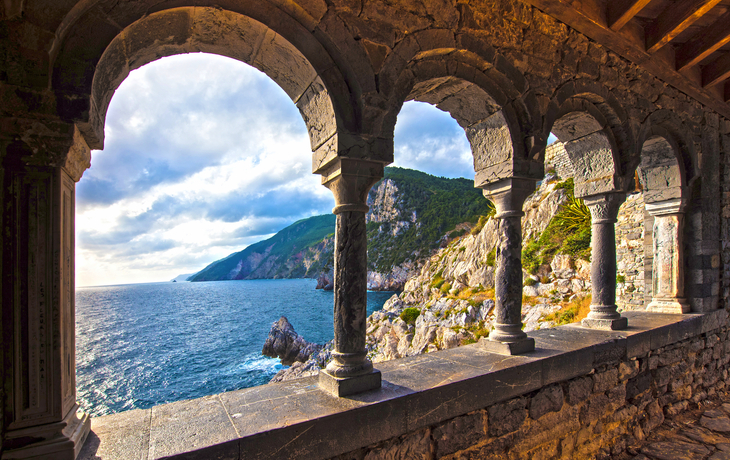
445,287
620,279
574,217
480,225
410,314
530,282
491,257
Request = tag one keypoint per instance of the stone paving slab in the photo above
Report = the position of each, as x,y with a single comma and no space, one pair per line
702,433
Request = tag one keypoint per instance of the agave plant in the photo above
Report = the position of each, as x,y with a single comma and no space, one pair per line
575,216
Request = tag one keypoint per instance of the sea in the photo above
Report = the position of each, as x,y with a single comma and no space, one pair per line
140,345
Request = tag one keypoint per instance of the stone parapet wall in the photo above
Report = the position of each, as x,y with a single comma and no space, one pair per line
591,416
630,251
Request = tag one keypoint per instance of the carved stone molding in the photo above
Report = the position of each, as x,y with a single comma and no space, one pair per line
604,207
350,181
78,159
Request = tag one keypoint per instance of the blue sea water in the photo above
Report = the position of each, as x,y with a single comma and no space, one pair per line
141,345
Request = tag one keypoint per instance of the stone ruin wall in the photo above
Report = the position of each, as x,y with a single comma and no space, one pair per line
557,158
631,251
591,416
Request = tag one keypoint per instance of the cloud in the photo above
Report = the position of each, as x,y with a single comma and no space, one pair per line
429,140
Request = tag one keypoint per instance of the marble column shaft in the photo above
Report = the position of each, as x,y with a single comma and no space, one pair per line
508,196
350,371
668,264
604,211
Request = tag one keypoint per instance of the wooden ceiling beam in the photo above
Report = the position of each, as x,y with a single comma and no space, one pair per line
716,71
727,91
709,41
674,20
619,12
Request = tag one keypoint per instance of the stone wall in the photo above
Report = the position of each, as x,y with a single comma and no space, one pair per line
591,416
557,158
630,250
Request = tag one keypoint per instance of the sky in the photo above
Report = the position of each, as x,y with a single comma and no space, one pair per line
204,155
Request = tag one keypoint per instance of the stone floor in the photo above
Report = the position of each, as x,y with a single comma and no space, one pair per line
702,433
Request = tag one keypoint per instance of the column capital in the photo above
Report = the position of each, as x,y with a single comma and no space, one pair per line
350,181
508,195
666,207
604,207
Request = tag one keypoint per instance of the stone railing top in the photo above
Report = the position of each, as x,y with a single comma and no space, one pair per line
295,419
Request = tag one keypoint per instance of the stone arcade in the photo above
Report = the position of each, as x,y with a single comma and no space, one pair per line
631,87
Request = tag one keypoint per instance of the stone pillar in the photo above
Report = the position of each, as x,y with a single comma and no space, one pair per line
667,275
350,371
604,211
42,419
507,338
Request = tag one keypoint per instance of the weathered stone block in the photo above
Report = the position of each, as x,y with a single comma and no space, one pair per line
602,381
507,417
578,390
460,433
549,399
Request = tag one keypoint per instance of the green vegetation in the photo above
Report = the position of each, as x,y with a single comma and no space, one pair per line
410,315
491,257
479,225
530,282
569,232
445,287
298,237
620,279
440,205
571,312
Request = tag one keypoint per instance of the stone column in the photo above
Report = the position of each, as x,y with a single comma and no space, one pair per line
604,211
350,371
507,338
38,311
667,275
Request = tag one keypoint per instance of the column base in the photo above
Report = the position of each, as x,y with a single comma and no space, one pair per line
525,345
614,324
66,444
345,386
677,306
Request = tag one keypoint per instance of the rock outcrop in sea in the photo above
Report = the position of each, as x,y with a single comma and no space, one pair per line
284,343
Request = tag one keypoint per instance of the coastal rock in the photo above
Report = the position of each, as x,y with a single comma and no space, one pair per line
296,370
284,343
326,281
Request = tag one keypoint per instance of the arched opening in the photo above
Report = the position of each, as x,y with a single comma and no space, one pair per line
588,129
204,155
662,177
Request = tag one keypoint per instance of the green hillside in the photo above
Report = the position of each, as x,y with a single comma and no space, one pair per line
290,241
439,203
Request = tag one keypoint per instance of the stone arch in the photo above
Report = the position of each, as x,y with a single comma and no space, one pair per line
270,39
482,92
665,152
593,126
665,168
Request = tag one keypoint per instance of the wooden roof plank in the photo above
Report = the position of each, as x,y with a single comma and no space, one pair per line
622,11
727,92
674,20
716,71
709,41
